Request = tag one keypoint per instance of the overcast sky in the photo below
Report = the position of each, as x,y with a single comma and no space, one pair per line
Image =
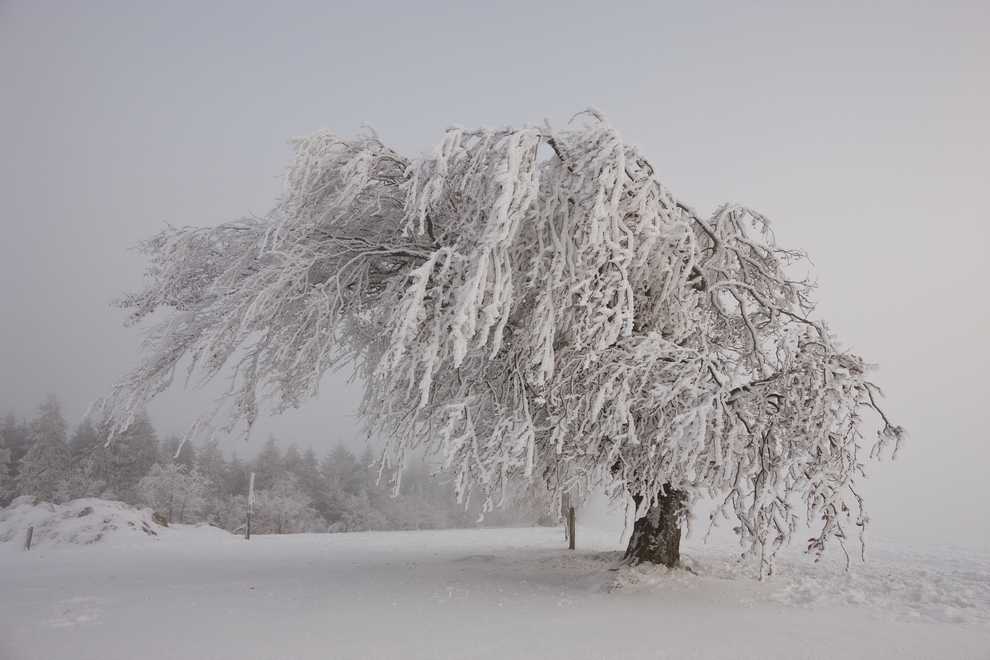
860,129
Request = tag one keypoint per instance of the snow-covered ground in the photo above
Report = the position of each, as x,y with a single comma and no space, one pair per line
198,592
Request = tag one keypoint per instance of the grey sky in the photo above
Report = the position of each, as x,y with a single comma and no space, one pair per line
859,128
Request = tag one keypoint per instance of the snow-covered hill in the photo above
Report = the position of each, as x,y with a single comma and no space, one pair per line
198,592
80,522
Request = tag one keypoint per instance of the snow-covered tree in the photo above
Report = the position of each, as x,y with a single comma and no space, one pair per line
16,433
307,473
80,482
48,460
283,508
84,440
230,513
180,452
343,477
5,489
292,460
530,305
120,464
237,476
173,491
269,467
211,464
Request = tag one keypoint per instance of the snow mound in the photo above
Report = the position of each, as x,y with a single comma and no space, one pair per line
79,522
934,585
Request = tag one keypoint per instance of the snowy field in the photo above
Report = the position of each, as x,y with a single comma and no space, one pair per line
104,581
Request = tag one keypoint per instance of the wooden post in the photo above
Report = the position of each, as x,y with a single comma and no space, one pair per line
27,544
565,505
570,527
247,536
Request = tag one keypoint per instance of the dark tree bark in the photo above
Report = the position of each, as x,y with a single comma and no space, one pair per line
656,537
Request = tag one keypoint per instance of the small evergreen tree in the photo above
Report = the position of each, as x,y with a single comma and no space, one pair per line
237,476
342,478
292,460
49,460
123,462
269,467
210,463
309,479
213,466
16,433
5,490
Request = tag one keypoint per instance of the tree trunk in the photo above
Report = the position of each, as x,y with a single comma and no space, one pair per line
656,537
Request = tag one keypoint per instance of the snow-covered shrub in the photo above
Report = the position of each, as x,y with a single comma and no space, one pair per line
174,492
283,508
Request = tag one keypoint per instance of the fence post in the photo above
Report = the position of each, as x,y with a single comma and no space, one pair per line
247,536
570,526
27,544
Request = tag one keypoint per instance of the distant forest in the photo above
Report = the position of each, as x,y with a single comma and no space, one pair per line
294,491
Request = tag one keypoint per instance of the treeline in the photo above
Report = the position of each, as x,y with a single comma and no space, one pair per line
294,491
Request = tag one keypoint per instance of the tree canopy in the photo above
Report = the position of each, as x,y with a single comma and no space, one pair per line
536,308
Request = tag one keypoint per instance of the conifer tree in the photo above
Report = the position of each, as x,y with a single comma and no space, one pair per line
120,464
49,460
15,433
309,475
5,490
84,440
292,460
268,465
342,478
210,463
237,475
